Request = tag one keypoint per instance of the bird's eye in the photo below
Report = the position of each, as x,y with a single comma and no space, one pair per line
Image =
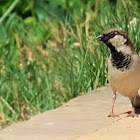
112,33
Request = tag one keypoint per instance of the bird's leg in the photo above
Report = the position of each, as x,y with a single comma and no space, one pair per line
132,114
112,109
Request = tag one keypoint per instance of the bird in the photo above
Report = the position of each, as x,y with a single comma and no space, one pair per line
123,68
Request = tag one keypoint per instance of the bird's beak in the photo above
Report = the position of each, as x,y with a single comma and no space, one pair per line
99,37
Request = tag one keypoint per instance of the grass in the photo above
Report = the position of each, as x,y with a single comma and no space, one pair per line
45,63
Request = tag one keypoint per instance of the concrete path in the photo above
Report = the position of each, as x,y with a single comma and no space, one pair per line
82,118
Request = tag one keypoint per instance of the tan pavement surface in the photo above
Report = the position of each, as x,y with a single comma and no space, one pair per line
82,118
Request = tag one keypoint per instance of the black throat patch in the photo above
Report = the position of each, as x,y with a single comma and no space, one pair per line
120,60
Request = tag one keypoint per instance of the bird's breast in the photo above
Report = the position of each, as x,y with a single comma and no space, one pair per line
126,82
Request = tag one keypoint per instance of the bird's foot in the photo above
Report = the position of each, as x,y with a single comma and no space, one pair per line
132,114
112,115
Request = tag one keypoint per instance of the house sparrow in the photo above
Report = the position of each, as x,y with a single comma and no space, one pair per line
123,67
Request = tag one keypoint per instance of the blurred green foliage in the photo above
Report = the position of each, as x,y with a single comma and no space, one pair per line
49,53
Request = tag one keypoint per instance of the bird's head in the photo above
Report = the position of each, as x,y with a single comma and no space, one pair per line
117,40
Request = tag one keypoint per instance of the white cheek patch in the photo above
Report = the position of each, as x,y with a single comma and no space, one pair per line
117,40
125,49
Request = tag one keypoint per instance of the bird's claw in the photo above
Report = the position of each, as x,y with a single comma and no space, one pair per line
113,115
132,114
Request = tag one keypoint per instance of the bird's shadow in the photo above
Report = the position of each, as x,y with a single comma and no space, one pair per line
137,111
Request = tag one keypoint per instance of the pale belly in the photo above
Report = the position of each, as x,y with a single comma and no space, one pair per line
125,82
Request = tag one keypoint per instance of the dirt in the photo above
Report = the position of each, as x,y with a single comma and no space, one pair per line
82,118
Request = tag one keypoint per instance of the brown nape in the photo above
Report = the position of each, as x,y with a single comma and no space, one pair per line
120,32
